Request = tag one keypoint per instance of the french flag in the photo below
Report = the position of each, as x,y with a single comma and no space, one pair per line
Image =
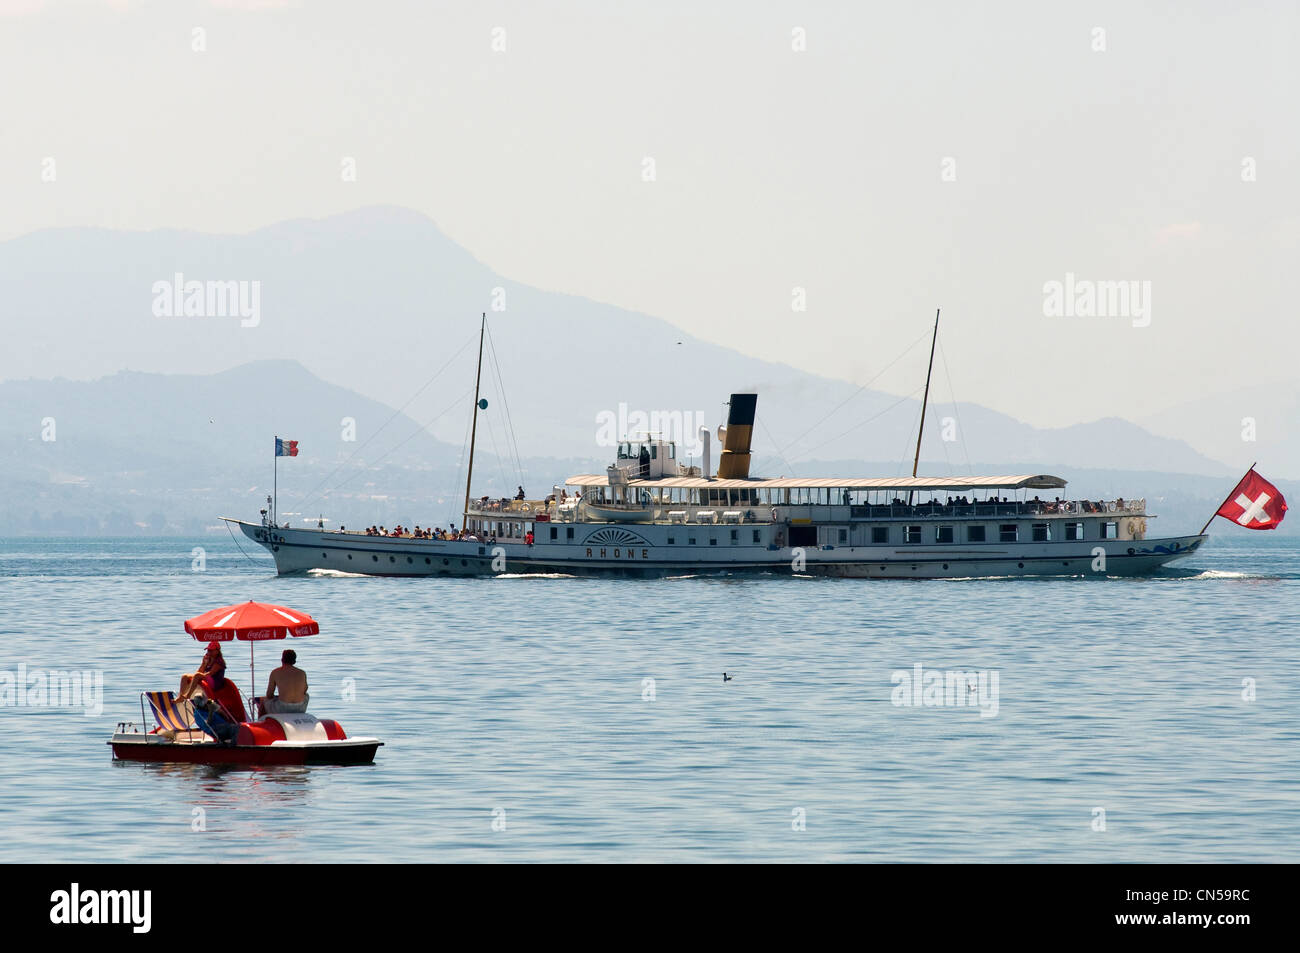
286,448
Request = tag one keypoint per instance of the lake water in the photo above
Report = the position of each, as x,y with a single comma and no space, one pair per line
519,723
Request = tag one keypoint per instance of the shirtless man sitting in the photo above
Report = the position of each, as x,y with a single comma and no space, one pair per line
287,689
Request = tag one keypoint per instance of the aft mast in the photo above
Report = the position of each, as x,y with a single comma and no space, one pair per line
474,427
916,460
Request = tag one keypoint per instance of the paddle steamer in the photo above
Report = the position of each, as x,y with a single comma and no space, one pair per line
649,514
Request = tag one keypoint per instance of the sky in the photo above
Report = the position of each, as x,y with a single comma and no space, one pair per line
804,182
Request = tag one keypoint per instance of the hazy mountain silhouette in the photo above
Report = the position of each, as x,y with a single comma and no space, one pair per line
168,453
378,300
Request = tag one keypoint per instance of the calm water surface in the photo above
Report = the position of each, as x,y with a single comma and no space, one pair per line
523,700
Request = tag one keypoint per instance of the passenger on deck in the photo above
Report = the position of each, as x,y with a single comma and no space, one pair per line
520,494
291,684
211,675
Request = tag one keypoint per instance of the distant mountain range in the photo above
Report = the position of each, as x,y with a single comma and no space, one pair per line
379,300
1255,423
140,452
168,453
295,327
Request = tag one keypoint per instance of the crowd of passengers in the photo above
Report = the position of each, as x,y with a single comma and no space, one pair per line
1036,505
437,532
426,533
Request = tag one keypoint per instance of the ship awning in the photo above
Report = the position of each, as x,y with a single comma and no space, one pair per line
1036,481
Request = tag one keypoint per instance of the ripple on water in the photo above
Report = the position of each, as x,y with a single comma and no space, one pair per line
588,719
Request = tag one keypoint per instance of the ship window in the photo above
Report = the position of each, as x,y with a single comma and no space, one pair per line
713,540
913,534
1074,531
844,537
672,540
568,532
735,536
1110,530
943,534
756,536
555,532
974,534
879,535
1042,533
1007,532
691,540
654,451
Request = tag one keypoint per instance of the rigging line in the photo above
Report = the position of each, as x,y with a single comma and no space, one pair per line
238,547
898,472
868,420
836,408
494,385
934,412
774,444
492,436
944,443
421,428
512,454
970,471
501,388
310,498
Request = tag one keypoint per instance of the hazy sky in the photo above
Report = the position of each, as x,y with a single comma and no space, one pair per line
886,158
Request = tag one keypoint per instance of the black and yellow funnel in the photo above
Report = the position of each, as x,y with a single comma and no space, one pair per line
734,464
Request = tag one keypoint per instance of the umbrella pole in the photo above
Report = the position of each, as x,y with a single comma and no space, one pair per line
252,673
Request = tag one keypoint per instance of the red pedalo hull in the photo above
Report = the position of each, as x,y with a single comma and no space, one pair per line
361,752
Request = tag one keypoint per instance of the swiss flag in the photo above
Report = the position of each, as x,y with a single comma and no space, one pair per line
1254,504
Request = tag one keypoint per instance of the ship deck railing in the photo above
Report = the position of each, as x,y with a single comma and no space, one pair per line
520,509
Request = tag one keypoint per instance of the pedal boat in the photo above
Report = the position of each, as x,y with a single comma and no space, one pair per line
178,737
183,733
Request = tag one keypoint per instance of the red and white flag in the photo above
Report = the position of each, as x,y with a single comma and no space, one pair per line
1254,504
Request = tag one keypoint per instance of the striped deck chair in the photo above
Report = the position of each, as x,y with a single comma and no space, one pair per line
170,715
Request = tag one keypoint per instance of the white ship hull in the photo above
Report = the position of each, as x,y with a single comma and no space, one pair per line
645,550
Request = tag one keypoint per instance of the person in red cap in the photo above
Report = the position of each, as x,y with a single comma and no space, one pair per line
211,675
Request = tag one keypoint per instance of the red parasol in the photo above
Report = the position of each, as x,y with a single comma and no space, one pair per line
251,622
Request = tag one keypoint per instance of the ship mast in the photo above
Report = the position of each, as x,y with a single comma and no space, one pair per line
474,427
916,460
